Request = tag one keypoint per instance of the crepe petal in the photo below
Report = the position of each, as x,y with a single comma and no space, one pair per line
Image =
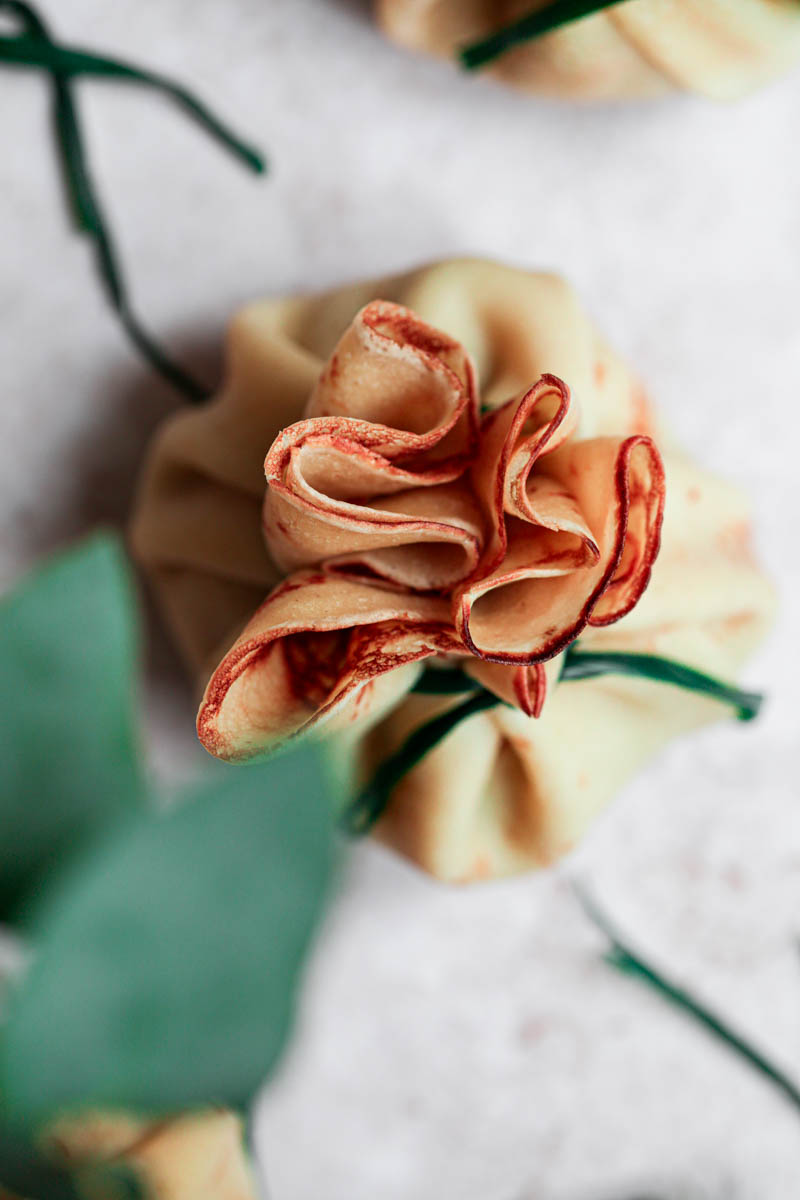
524,687
331,499
320,650
368,478
413,382
578,551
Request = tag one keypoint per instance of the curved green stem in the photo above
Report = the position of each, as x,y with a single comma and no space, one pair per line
69,62
370,804
586,664
35,48
589,664
626,960
578,664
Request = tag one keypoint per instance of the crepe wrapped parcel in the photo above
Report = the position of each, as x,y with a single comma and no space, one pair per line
462,479
195,1156
720,48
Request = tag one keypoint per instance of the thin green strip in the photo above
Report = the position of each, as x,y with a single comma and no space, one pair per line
372,801
578,664
626,960
70,62
584,664
37,49
525,29
445,681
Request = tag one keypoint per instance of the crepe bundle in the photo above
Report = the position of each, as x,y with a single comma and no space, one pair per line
720,48
460,473
197,1156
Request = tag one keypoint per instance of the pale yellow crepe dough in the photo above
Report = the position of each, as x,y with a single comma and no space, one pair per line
720,48
505,791
198,1156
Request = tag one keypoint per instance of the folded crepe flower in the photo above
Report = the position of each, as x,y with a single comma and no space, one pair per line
441,522
720,48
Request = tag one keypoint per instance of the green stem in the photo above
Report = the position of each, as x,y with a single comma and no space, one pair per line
585,664
37,49
525,29
370,804
626,960
445,681
578,664
70,62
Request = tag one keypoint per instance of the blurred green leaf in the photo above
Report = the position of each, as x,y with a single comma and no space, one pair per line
69,759
166,962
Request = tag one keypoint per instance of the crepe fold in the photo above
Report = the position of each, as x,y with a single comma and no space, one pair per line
194,1156
720,48
444,469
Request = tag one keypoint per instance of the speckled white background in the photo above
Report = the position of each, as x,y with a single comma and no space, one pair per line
460,1045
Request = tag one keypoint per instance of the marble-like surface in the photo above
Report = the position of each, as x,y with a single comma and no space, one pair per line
460,1045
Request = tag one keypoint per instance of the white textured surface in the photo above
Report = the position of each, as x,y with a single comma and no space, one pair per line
461,1045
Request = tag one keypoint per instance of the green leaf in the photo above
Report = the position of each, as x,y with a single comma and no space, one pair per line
68,747
370,804
586,664
166,963
525,29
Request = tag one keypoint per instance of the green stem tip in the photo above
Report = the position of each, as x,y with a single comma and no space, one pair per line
623,958
585,664
525,29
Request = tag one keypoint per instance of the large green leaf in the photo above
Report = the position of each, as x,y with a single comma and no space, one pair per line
69,758
166,962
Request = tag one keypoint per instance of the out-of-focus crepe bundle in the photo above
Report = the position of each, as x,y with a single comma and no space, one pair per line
720,48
